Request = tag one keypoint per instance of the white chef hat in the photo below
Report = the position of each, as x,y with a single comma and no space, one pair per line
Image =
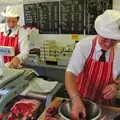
11,11
108,24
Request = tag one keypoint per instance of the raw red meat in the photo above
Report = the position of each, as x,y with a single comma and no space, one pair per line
50,113
24,109
51,118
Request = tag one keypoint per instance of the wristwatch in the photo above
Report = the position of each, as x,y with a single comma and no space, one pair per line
74,95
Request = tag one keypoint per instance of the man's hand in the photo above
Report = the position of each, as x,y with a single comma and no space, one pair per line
78,110
15,63
109,92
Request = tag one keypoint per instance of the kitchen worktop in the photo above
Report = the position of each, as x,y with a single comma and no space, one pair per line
108,113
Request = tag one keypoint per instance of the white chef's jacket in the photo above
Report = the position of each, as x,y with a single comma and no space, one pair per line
82,51
22,41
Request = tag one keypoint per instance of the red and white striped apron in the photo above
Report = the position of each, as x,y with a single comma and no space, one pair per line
95,76
9,41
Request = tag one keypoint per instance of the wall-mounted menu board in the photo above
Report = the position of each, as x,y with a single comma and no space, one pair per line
30,15
65,16
72,16
44,15
93,9
48,13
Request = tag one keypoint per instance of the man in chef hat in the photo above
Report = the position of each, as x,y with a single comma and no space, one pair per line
14,36
95,65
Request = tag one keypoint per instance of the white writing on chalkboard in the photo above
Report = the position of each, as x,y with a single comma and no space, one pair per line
65,16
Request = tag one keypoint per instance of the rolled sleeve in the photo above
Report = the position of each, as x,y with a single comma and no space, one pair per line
77,61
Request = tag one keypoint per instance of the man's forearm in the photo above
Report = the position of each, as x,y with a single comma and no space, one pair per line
70,84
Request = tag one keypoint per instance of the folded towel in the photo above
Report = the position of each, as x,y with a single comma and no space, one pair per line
40,86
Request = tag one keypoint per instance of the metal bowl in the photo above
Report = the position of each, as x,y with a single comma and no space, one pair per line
92,110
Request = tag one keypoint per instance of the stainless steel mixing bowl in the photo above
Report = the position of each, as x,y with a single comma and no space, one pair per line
92,110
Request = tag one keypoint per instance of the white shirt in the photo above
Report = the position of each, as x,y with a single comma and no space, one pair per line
23,40
82,51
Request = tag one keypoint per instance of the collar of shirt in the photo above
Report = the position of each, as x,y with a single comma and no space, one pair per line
98,48
14,30
98,52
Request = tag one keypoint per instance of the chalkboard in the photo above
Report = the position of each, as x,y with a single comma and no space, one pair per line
44,15
49,17
65,16
72,16
30,15
93,9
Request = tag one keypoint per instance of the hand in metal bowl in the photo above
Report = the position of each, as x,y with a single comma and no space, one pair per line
92,110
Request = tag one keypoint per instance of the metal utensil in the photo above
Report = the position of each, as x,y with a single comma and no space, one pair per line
92,110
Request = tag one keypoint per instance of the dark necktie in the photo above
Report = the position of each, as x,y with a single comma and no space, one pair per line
9,32
102,57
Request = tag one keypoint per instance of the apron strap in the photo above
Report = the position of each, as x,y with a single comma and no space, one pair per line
111,56
93,46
